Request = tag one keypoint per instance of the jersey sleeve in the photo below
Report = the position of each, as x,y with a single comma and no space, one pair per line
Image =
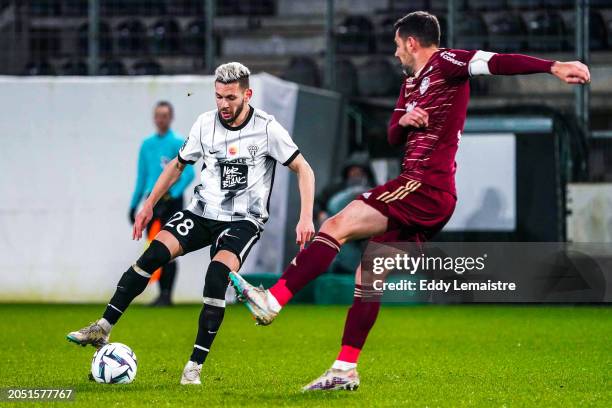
455,64
280,145
462,64
191,150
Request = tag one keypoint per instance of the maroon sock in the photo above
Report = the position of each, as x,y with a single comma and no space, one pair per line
305,267
359,321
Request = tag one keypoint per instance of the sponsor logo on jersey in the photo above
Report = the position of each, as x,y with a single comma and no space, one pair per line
424,85
410,106
450,57
232,150
234,174
366,195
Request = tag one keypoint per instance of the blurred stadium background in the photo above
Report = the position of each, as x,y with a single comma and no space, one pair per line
80,79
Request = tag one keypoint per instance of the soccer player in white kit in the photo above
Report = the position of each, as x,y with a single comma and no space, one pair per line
240,147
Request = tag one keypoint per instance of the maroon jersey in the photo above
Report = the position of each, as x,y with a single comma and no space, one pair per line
441,88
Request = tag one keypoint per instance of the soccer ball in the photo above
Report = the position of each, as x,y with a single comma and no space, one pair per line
115,363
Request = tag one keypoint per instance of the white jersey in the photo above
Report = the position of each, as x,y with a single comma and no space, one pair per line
239,164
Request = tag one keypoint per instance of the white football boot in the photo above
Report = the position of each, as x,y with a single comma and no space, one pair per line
191,373
334,379
94,334
256,299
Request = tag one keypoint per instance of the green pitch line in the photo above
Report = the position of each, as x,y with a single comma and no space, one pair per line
436,356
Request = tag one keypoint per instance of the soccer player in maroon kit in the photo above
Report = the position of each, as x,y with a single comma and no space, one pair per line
428,120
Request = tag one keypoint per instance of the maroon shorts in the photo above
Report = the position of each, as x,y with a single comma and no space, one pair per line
416,211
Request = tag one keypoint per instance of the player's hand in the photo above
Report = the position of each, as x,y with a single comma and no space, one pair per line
574,72
142,220
304,232
418,118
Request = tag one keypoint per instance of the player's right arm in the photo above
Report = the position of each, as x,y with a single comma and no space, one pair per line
140,182
167,178
401,121
188,154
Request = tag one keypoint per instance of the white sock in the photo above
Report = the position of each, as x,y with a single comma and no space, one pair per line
103,323
343,365
274,305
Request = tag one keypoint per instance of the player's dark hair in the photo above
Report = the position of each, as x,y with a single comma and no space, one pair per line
165,104
421,25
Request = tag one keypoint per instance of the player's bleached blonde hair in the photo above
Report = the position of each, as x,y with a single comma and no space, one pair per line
233,72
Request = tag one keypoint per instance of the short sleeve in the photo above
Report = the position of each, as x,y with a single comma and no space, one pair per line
191,150
280,145
455,64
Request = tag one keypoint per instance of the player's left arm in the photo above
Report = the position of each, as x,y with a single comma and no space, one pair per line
304,230
462,64
488,63
282,149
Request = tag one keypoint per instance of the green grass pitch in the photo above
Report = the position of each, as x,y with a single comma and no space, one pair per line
419,356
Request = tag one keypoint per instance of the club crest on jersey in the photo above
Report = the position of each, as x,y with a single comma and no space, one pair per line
410,106
424,85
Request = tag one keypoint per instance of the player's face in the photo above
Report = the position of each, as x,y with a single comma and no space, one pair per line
404,54
232,100
162,118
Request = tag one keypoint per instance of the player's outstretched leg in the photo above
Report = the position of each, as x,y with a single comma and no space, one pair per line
357,220
211,317
306,266
132,283
359,321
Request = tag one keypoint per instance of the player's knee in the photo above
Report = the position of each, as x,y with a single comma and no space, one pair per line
227,258
215,284
156,255
333,226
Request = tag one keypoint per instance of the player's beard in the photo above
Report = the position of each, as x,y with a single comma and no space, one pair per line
408,69
233,118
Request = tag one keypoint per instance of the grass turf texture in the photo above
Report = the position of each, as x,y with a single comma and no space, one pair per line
447,356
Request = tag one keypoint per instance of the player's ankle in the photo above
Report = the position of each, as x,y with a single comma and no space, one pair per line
343,365
274,303
348,354
105,325
280,293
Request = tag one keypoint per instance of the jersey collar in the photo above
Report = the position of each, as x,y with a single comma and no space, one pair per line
242,125
427,64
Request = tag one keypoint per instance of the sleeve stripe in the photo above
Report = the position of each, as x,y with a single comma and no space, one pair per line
183,161
479,64
290,159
